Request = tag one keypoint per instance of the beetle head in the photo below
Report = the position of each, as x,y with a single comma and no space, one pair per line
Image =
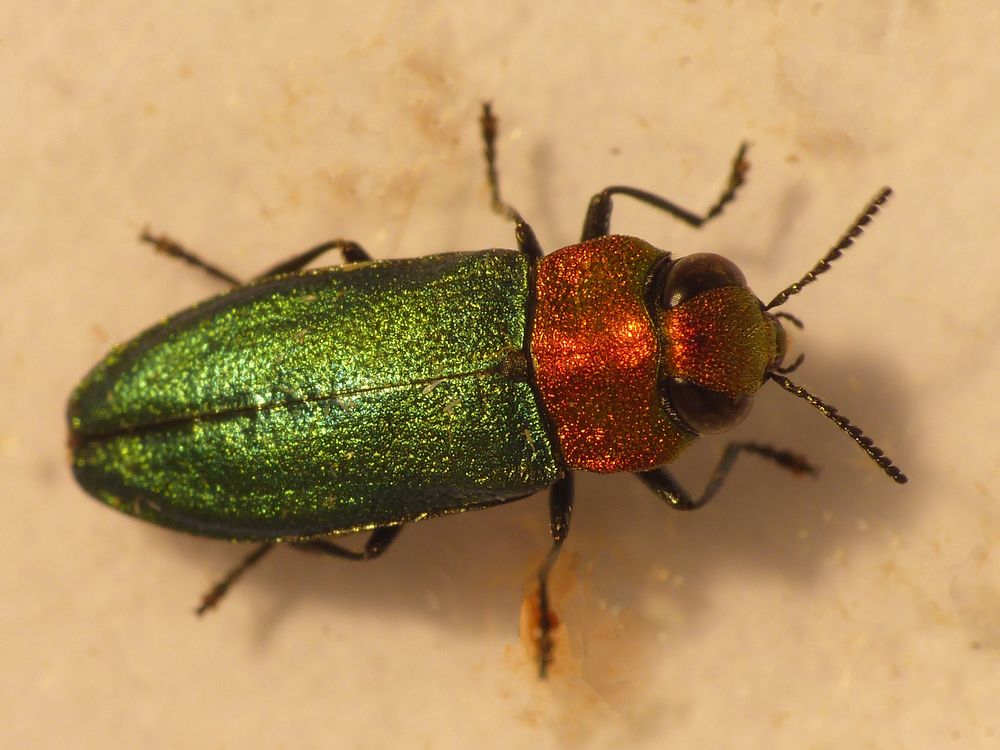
721,343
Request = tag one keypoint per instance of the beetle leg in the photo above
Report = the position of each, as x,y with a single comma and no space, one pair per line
167,246
527,242
560,511
212,597
597,222
667,488
377,543
352,251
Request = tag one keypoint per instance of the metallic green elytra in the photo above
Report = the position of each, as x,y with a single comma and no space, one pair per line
334,400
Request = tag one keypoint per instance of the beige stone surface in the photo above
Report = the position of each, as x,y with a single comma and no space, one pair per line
842,612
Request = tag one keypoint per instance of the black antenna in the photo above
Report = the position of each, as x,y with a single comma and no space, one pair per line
873,451
837,250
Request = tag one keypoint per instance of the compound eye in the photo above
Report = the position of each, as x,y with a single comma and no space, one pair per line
693,274
706,411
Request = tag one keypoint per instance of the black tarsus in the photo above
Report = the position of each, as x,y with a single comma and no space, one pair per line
219,590
163,244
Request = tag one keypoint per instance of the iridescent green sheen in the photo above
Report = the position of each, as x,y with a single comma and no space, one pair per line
328,401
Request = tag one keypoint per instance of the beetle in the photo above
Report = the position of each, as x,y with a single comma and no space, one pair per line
369,395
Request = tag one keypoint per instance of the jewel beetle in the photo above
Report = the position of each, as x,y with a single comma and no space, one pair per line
369,395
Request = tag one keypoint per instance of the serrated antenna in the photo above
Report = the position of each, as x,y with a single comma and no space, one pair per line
859,437
846,240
